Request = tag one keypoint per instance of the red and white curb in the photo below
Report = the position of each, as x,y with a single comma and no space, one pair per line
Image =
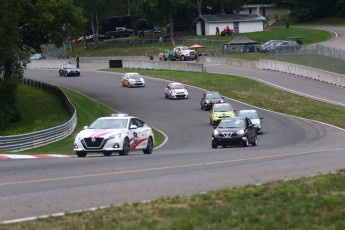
34,156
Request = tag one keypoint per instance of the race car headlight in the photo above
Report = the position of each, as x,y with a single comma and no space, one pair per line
207,101
240,132
68,70
221,101
116,136
215,132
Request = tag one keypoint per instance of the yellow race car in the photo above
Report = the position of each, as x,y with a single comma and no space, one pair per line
220,111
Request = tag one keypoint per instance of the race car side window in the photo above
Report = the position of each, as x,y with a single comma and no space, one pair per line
132,122
139,123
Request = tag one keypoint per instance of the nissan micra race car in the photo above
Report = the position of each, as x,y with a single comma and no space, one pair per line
133,80
175,90
220,111
117,133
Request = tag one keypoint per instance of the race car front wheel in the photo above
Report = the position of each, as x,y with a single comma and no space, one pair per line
81,153
149,146
125,148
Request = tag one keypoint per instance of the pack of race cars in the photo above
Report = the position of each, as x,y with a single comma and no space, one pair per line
122,133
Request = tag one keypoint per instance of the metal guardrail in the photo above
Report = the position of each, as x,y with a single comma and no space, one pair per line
43,137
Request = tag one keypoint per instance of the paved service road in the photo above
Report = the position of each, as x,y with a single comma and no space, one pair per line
186,164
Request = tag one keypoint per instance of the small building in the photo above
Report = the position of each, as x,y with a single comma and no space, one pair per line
240,23
263,9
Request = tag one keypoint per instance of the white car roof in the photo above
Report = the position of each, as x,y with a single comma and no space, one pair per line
248,111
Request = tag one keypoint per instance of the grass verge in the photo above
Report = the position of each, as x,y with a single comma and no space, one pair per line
34,118
306,203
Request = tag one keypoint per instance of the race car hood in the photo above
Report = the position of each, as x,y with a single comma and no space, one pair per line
220,114
99,133
231,130
215,100
255,121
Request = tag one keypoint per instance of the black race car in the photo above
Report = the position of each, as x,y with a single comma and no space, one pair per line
210,98
69,70
234,131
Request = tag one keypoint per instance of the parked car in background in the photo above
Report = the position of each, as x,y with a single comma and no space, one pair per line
69,70
133,80
117,133
209,99
285,46
119,32
37,57
221,111
234,131
92,37
267,46
175,90
254,117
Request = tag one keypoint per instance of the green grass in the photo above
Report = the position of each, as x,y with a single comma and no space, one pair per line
305,203
34,118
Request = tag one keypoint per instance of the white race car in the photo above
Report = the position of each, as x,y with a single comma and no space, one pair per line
175,90
133,80
117,133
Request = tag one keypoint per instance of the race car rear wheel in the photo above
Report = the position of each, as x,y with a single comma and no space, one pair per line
149,147
126,147
81,153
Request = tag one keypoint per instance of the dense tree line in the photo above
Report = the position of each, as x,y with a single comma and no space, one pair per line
308,10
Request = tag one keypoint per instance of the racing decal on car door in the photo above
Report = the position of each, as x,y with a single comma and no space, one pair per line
136,141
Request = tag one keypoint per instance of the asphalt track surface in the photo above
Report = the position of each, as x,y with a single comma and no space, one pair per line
289,148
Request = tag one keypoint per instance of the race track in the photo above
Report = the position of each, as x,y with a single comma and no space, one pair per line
186,164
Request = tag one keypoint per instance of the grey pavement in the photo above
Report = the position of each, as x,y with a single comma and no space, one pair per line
338,41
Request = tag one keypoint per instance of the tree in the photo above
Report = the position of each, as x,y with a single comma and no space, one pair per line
160,12
97,9
25,25
307,10
197,5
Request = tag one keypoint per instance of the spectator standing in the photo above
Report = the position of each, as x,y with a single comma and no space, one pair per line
217,30
77,60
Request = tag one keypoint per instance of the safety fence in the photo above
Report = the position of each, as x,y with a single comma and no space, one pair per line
43,137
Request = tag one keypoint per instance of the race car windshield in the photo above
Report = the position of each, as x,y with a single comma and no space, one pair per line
250,115
213,96
109,124
177,86
70,67
135,76
231,123
223,108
